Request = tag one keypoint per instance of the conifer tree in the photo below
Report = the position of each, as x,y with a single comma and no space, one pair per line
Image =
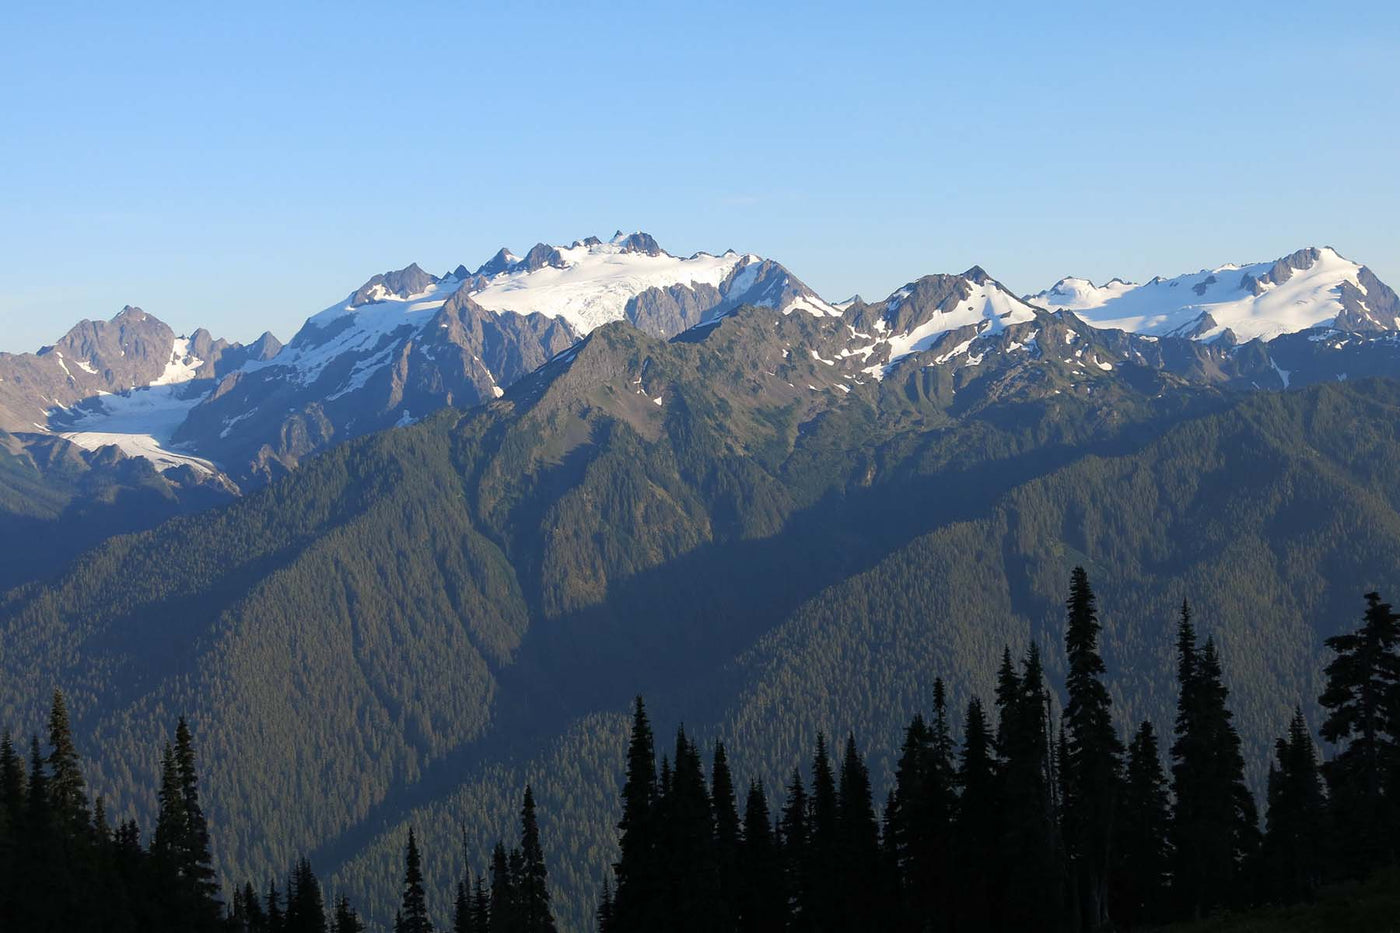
504,918
1141,851
858,842
1362,700
414,912
978,827
760,902
172,827
1214,821
346,918
793,840
1092,767
822,884
197,861
462,910
250,910
1031,854
275,917
306,910
1295,842
67,793
907,824
481,905
533,882
603,916
11,809
727,833
692,869
639,892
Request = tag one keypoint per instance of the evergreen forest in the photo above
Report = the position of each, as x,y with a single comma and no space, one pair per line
1025,810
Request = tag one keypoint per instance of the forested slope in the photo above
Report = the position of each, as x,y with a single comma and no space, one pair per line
431,616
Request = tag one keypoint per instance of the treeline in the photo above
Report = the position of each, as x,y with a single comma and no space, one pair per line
1040,818
65,869
1036,816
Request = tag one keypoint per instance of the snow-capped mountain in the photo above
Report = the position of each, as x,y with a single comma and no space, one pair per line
127,383
407,342
1315,287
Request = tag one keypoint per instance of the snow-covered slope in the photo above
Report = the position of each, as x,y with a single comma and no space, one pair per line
407,342
1310,288
591,285
916,317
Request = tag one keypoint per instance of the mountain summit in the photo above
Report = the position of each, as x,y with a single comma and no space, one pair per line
1313,287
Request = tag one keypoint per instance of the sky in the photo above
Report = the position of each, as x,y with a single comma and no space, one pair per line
242,166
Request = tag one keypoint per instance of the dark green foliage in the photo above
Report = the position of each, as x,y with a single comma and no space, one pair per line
504,917
1363,703
824,903
413,910
532,883
760,896
727,834
67,795
979,870
306,909
1214,823
1090,769
858,844
732,552
1297,839
795,838
639,882
347,920
1141,847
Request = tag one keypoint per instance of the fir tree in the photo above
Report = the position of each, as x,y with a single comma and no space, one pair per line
978,827
197,862
306,911
727,833
462,910
760,902
1031,853
604,914
533,880
67,793
692,869
639,892
346,919
1214,822
1295,842
907,824
1092,766
1362,700
794,841
858,842
275,918
1141,851
823,883
481,906
172,829
504,917
413,915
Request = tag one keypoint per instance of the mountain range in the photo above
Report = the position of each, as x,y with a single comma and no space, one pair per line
600,469
406,343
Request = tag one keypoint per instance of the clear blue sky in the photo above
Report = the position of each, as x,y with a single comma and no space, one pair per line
240,166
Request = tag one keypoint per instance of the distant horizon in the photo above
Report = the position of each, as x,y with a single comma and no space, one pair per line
238,168
180,322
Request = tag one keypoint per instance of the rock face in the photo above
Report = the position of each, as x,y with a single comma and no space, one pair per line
131,351
407,342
